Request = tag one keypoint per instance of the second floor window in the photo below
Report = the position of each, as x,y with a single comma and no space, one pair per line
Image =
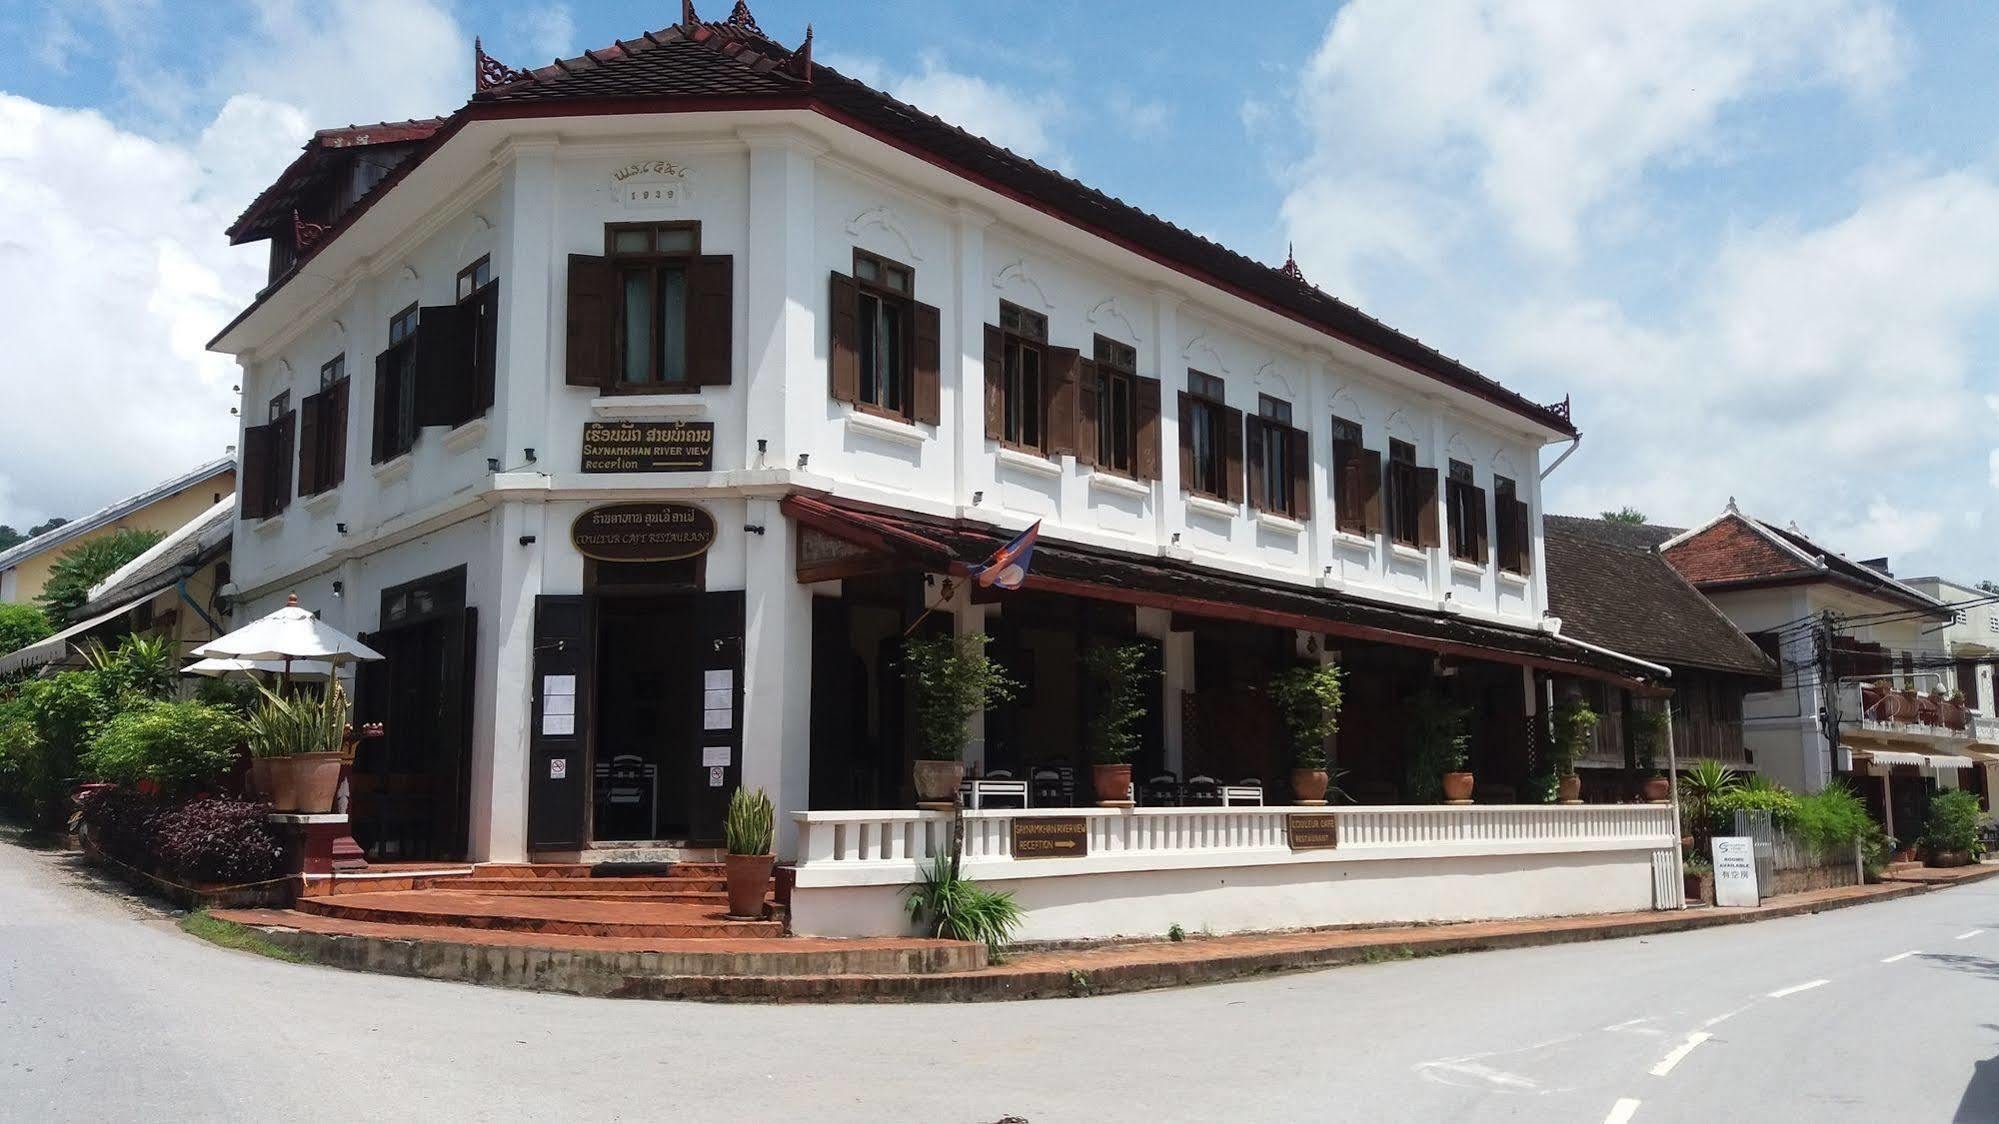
395,389
322,431
652,315
1356,481
885,344
1411,493
1514,540
1022,357
1118,413
1211,454
265,487
1465,510
1279,460
652,303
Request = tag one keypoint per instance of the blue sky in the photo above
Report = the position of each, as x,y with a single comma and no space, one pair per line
1755,241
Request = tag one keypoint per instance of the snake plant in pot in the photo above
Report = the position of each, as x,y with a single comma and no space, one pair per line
746,831
300,735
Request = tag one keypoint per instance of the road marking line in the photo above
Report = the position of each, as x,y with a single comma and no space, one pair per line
1968,936
1621,1112
1667,1063
1901,956
1796,988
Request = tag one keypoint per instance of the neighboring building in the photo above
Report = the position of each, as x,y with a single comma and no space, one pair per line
172,590
650,401
1969,649
1609,585
1849,638
24,568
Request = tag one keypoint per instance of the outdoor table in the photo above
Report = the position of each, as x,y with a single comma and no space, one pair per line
978,790
1242,794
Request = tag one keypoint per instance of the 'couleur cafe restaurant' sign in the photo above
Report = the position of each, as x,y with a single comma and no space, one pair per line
643,532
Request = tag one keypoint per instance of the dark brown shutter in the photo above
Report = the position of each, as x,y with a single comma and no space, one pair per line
1064,367
1479,541
1426,507
333,428
254,479
384,407
444,359
1301,473
1232,476
1346,487
1186,428
1145,453
284,443
1089,411
1524,542
1255,436
591,354
487,332
309,410
711,319
843,348
927,364
1369,478
995,384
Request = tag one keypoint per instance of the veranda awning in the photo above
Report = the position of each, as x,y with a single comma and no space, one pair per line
56,647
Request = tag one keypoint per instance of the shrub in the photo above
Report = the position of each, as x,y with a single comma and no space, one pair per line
64,713
1308,699
1437,744
122,822
951,677
1700,785
950,906
1831,821
20,626
179,746
1953,823
1115,674
218,840
86,564
143,667
1574,721
1764,797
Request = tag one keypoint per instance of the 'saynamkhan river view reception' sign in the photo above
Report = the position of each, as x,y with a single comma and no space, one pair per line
648,446
643,532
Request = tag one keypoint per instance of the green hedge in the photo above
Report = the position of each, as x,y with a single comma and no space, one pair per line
179,746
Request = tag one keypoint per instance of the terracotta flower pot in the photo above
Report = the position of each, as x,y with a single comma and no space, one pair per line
1308,786
1569,789
316,781
937,781
1112,782
260,777
749,881
1658,790
284,784
1457,788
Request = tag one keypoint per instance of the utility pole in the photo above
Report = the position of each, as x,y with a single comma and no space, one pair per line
1828,691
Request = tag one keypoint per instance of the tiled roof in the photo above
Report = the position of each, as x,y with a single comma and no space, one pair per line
49,540
1739,550
275,203
193,544
1612,588
732,63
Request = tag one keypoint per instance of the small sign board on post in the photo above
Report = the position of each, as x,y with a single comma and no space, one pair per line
1734,870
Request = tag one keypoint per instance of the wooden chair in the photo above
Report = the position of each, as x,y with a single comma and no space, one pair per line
1203,791
1049,788
1160,791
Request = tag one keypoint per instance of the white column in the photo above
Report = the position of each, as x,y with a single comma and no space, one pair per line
1171,371
968,619
501,699
531,276
1440,559
1177,656
1318,424
964,397
781,292
777,670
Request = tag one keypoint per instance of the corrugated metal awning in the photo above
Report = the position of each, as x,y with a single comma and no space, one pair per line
57,647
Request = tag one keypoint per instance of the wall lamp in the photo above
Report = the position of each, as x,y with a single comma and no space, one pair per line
754,528
978,498
340,527
803,458
492,464
339,589
529,454
527,540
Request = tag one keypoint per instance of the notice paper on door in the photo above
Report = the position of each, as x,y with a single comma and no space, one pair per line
716,773
558,725
713,755
718,718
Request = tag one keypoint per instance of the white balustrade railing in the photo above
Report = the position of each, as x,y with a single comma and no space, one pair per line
830,841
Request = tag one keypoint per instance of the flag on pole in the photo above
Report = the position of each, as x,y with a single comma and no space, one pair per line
1007,568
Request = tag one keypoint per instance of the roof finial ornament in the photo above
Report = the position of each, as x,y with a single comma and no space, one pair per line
688,16
304,233
1731,506
488,72
740,17
1291,269
801,59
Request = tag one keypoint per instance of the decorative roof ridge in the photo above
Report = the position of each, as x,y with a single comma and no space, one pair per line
490,73
738,38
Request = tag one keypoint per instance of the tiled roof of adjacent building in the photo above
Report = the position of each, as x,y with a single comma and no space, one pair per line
195,543
1610,586
1734,550
276,203
77,528
732,64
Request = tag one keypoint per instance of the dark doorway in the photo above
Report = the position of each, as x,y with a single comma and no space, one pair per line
648,719
410,790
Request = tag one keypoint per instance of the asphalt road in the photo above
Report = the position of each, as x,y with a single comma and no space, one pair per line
1885,1012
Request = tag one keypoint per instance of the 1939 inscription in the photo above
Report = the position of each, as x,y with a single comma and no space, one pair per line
1052,837
658,446
643,532
1313,831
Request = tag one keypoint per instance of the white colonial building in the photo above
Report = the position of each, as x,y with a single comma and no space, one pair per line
639,407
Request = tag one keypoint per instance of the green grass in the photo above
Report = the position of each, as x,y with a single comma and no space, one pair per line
229,934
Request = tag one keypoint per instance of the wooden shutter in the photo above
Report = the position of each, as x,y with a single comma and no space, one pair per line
995,384
333,436
1255,436
284,445
1232,474
385,406
1089,412
927,365
711,319
1186,428
1479,540
1426,507
254,478
843,347
309,410
1369,494
485,371
1145,411
591,351
1058,387
564,643
444,360
1301,473
1524,542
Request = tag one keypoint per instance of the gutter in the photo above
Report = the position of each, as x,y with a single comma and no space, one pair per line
1574,442
180,587
1663,671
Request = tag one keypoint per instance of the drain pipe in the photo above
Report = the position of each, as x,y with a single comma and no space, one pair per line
1573,442
180,587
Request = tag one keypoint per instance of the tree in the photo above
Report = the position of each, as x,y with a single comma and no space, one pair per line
1988,587
1625,514
11,538
20,626
86,564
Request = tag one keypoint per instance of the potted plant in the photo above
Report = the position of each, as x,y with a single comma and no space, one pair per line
1574,721
301,735
1115,675
1648,729
1702,784
1438,750
952,677
746,833
1951,836
1308,700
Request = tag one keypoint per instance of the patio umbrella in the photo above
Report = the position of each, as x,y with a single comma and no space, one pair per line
291,633
221,668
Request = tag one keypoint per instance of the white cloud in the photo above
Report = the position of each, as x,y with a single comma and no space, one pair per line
352,61
1140,117
547,33
1007,117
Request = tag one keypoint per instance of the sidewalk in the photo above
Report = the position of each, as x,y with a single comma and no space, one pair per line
795,969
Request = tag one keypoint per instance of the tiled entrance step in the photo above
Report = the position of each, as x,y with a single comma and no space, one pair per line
541,913
565,879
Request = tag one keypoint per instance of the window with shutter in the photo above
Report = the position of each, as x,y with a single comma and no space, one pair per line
1109,422
1205,441
928,364
1025,391
479,304
1146,429
843,344
444,360
308,443
1232,464
1428,521
1349,478
654,268
395,388
322,431
254,488
590,354
1273,447
1066,371
1465,513
1403,503
884,336
1510,516
710,319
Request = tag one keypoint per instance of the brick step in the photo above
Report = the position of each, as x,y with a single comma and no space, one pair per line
531,870
718,898
537,913
565,887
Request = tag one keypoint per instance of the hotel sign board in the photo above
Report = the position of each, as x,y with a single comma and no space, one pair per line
1312,831
1734,870
643,532
648,446
1050,837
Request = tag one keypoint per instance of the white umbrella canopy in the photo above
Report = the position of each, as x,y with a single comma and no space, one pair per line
218,667
291,633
